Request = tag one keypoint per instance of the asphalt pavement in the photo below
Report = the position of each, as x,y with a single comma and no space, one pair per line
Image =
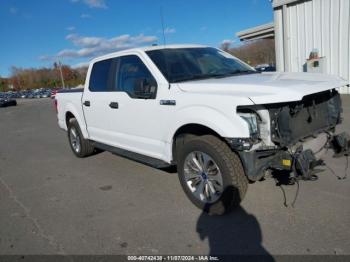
54,203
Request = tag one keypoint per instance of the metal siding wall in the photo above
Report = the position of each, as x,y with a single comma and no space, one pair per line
344,43
301,38
309,29
325,23
294,29
317,24
279,39
334,37
321,24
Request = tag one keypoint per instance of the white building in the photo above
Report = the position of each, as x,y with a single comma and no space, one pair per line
303,26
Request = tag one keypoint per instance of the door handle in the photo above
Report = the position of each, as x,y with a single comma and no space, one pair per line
114,105
86,103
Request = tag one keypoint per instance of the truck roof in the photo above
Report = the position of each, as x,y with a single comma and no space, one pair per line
145,49
158,47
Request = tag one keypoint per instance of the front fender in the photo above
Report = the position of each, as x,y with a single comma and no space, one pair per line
224,125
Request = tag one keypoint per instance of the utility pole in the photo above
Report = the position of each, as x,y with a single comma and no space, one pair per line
60,68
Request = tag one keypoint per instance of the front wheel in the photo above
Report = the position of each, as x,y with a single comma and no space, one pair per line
211,175
80,146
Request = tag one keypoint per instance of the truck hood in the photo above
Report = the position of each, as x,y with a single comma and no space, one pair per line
266,88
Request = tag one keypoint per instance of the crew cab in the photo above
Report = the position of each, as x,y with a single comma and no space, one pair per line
217,119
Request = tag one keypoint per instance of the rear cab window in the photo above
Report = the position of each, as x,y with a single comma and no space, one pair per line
101,77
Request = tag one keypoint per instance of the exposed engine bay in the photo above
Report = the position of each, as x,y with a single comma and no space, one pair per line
313,115
291,136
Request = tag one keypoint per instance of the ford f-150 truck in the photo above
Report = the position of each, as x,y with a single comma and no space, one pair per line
217,119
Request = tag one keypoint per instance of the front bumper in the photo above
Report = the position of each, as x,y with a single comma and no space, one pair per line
288,134
301,162
255,163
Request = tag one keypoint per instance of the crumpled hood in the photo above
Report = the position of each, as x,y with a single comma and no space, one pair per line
266,87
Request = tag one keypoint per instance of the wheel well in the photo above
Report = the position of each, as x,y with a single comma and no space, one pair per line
69,116
187,131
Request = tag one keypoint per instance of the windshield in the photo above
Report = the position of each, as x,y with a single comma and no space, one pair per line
184,64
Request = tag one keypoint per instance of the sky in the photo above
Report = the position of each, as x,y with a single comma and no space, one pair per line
37,33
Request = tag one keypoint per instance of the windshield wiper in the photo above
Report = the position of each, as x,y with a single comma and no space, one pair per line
238,72
207,76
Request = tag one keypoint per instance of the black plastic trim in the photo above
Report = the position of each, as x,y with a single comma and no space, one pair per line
150,161
73,90
256,162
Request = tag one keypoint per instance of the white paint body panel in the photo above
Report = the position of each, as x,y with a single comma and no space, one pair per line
70,102
145,126
266,87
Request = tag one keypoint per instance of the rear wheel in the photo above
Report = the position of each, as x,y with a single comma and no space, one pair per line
211,175
80,146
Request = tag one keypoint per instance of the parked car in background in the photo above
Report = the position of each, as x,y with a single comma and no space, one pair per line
30,95
4,102
36,93
265,68
46,93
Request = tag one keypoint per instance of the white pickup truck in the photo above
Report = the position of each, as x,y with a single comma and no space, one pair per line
217,119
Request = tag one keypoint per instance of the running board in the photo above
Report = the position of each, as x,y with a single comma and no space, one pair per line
150,161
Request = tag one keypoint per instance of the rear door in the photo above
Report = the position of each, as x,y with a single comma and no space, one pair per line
96,100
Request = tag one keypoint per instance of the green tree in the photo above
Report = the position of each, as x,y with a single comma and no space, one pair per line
2,85
254,52
32,78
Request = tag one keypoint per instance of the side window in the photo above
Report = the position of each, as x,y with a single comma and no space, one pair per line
135,79
100,77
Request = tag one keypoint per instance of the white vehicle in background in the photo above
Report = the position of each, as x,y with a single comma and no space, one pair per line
217,119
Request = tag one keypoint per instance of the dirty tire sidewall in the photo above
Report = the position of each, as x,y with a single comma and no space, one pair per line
235,182
86,148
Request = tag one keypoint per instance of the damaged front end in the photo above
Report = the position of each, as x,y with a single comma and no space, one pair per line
291,136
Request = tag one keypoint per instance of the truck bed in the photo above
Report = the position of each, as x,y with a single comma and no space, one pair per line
69,100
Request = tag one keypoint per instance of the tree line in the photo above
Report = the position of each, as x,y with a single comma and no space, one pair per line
254,52
33,78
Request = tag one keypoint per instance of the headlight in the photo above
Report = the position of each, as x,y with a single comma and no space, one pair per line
252,121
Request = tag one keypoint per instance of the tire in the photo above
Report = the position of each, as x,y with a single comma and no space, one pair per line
12,103
220,161
81,147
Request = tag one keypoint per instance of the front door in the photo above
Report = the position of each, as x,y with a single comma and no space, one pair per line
139,125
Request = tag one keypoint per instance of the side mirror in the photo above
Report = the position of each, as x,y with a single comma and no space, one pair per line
145,88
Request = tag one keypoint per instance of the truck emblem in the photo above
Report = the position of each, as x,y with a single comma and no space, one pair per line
168,102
